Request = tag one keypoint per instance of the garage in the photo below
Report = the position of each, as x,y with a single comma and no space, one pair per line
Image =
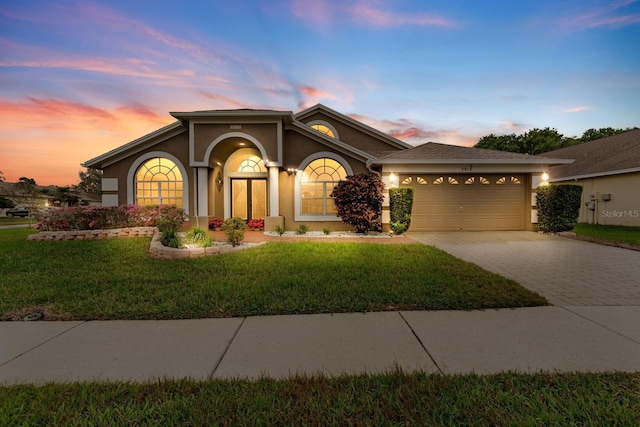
467,202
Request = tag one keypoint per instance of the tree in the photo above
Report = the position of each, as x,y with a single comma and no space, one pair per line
90,181
28,193
500,142
65,195
591,134
537,141
358,201
1,177
6,203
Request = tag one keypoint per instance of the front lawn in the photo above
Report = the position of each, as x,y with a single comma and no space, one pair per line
117,279
15,220
609,234
392,399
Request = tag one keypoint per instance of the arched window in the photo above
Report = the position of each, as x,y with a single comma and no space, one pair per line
324,129
252,163
158,181
317,182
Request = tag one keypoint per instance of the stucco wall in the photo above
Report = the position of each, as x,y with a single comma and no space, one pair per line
178,146
622,209
352,136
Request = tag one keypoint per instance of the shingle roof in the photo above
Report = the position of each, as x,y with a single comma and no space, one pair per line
433,150
606,156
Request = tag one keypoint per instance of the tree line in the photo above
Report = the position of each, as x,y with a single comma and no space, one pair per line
537,141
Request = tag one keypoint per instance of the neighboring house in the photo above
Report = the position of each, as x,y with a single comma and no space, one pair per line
283,166
608,169
8,190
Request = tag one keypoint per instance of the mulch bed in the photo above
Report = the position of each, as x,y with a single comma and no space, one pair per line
251,236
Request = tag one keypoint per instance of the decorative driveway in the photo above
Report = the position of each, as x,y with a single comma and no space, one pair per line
567,272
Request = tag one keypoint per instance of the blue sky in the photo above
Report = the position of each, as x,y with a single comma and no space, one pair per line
78,78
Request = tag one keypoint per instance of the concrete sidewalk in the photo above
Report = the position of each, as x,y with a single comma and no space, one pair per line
553,339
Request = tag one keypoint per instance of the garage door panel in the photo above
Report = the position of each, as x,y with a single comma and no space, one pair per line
476,202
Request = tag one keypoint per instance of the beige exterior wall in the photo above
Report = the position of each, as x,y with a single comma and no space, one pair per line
623,208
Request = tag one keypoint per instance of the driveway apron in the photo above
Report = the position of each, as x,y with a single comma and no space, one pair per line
569,273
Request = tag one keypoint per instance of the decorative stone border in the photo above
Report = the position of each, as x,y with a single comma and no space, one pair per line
94,234
156,249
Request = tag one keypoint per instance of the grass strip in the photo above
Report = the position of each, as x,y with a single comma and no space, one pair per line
612,234
117,279
388,399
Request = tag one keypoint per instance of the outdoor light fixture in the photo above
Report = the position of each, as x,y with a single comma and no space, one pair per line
393,179
292,171
545,176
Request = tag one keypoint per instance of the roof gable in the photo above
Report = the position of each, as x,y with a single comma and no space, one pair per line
392,142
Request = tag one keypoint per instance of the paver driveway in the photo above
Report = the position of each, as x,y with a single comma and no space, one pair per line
567,272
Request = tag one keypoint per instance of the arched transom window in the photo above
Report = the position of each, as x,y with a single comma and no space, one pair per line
324,129
252,164
158,181
318,180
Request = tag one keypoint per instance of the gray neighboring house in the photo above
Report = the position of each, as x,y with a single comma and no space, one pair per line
608,169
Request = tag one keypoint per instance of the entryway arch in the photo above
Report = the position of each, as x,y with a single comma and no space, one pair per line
246,190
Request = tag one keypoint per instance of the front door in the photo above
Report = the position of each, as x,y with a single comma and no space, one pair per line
249,198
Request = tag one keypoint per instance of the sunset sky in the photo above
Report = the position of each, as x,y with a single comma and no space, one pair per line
81,77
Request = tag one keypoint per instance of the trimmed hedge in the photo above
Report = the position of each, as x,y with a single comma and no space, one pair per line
558,207
400,205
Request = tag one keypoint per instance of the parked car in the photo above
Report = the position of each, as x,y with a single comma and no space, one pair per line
23,212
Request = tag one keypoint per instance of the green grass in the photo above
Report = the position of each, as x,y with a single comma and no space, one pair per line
15,220
609,233
117,279
391,399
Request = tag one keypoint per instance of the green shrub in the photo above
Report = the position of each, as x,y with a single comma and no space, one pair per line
302,229
199,236
234,230
558,207
358,201
166,225
279,230
326,231
400,205
170,239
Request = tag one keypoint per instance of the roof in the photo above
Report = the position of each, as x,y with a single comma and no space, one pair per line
601,157
433,152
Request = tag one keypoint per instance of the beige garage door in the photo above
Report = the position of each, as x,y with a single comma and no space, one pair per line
467,202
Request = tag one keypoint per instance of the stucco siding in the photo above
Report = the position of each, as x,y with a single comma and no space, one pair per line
623,208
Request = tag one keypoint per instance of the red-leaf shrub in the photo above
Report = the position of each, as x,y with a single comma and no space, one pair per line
215,224
358,201
255,223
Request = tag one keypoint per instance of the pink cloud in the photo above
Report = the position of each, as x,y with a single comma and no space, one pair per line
577,109
608,14
323,13
365,14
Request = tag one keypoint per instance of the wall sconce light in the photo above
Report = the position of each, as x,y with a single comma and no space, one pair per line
292,171
393,180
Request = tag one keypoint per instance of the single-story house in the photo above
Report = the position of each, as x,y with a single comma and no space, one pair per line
608,169
282,166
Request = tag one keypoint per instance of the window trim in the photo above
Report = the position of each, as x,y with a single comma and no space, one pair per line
298,216
131,175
